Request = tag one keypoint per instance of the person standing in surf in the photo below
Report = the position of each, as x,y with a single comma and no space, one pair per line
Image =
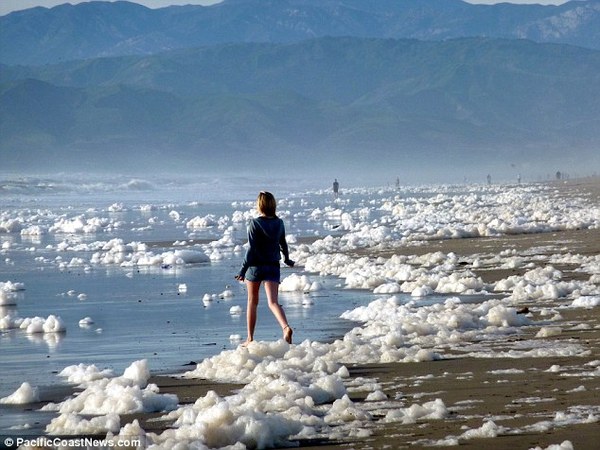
266,239
336,188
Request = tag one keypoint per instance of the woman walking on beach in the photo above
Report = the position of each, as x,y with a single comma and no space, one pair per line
266,239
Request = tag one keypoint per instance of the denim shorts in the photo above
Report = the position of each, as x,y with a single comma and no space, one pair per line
263,273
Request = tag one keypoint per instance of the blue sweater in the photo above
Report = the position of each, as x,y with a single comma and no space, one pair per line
266,236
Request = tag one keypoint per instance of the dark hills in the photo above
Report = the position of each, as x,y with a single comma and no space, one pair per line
99,29
371,102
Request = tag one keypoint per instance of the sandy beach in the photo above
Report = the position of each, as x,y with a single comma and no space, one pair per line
517,400
519,395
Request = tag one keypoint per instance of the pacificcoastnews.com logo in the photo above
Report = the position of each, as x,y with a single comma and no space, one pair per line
71,443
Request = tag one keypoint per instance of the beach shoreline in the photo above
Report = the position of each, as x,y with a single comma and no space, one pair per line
513,393
490,387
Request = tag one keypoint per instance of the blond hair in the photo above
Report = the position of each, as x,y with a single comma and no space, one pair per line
266,204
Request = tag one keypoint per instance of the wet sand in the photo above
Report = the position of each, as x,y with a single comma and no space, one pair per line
470,381
513,392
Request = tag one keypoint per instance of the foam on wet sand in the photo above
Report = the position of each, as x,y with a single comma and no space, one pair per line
475,366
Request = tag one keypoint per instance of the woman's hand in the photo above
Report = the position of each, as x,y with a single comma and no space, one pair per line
239,277
289,262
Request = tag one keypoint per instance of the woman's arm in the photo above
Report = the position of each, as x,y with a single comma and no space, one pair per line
284,247
246,262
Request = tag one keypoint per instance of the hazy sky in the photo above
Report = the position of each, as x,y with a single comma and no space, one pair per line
7,6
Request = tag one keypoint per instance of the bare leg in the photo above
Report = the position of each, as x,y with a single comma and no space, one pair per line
272,290
252,287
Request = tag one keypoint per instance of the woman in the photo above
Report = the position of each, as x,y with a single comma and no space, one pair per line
266,239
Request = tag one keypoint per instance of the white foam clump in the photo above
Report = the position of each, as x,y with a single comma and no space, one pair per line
71,424
136,254
33,230
586,302
86,322
299,283
502,316
390,327
124,436
9,322
117,207
545,332
10,225
562,419
33,325
506,371
23,395
202,222
430,410
288,391
177,257
388,288
241,216
280,379
209,297
82,225
396,274
83,373
6,298
421,291
224,247
344,410
539,283
564,445
227,293
8,290
215,422
235,310
108,397
294,381
488,430
376,396
10,286
147,207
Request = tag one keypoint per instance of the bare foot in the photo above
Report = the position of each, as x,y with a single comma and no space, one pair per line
246,343
287,334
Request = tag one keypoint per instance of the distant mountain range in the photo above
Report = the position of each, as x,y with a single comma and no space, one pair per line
100,29
327,100
301,85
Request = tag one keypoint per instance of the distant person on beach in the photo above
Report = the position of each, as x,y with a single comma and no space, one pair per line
266,237
489,179
336,188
